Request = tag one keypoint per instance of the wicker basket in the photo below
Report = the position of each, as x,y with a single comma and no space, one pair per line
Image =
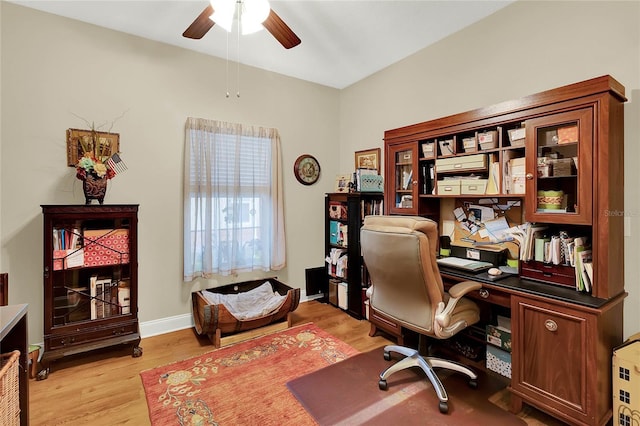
9,389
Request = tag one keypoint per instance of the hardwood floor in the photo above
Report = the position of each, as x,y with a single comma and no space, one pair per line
104,387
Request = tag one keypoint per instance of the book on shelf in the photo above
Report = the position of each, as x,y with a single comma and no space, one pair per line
67,250
103,297
124,297
371,207
93,292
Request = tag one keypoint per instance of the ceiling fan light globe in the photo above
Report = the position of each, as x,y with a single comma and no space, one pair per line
223,12
254,13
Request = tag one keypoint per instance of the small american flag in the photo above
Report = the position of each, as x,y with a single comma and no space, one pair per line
116,164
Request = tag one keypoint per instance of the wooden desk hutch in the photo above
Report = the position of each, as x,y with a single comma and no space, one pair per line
562,339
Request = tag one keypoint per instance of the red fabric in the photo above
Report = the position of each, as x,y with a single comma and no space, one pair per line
242,384
106,247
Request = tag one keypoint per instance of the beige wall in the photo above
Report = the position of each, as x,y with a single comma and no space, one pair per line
55,68
525,48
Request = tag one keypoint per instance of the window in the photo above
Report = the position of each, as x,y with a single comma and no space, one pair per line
623,373
233,206
624,396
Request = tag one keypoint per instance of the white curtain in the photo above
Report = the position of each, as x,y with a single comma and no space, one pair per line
233,199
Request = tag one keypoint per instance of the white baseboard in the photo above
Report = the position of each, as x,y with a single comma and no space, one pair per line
180,322
165,325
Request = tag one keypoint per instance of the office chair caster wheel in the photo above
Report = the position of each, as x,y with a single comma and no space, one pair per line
473,384
444,407
387,356
382,384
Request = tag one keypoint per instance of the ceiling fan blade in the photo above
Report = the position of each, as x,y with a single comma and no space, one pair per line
201,25
281,31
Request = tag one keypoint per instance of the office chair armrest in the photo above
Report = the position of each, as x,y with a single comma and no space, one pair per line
443,314
460,289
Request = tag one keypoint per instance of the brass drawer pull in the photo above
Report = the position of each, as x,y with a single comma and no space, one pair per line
551,325
484,293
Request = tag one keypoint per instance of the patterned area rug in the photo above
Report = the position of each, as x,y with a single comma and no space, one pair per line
242,384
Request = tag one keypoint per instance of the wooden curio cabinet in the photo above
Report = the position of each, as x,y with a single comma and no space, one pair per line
402,179
90,279
559,169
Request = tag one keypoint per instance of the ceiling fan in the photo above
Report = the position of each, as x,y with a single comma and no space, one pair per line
273,23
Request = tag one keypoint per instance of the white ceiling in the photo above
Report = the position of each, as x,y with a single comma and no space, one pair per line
343,41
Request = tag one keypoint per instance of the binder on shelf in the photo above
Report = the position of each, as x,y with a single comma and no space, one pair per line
428,176
493,184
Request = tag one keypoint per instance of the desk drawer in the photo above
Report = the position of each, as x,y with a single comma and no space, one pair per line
81,337
554,274
491,295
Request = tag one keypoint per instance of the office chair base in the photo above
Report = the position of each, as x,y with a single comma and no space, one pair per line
427,365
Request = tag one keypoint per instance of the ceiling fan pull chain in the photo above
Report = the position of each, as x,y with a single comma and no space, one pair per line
227,67
239,15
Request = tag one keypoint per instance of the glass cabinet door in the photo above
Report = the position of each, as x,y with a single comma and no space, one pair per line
89,270
404,178
559,171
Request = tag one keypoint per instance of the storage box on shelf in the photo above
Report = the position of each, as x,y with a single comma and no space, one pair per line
488,139
499,361
429,150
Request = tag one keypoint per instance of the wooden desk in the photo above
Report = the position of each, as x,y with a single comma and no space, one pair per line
13,336
574,329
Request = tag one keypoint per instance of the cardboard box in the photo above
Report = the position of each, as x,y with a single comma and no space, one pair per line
333,292
458,164
473,186
71,258
499,336
517,137
447,147
449,187
337,210
429,149
499,361
469,144
488,140
106,247
568,134
343,302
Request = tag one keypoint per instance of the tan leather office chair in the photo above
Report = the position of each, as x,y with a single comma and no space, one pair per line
400,255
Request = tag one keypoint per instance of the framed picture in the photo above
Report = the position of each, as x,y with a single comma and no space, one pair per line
102,144
342,183
368,159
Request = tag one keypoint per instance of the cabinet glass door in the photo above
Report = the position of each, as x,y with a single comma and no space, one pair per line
89,273
559,170
405,180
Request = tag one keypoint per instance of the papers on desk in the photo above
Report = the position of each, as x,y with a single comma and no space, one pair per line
464,264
